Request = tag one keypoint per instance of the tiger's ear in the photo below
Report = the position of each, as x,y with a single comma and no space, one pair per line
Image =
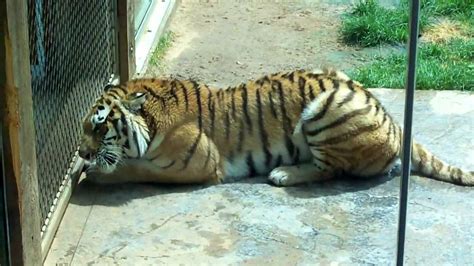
109,86
135,101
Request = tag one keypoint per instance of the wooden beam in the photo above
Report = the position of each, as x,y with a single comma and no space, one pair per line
126,39
16,105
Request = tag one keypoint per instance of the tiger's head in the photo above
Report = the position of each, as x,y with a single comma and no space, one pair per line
114,129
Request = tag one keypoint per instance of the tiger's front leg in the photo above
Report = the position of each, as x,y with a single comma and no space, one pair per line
184,156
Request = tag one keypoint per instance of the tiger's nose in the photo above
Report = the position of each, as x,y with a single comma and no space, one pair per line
85,153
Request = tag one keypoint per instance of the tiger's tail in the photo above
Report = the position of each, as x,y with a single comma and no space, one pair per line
427,164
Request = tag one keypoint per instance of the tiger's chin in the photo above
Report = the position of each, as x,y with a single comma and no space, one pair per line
102,165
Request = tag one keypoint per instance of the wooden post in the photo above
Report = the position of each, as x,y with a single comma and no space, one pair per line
16,105
126,39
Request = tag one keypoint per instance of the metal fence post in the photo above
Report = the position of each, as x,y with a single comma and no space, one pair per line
407,127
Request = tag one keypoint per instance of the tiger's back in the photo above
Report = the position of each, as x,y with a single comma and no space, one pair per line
297,126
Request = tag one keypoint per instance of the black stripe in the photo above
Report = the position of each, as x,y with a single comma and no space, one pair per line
390,129
351,134
193,148
168,165
301,85
191,151
113,95
110,138
347,99
135,138
263,133
197,92
163,103
124,125
321,85
350,85
286,120
117,91
341,120
250,164
290,76
126,145
152,92
262,81
384,117
290,148
272,105
420,164
296,159
220,97
232,96
185,93
328,156
173,92
335,84
313,75
377,109
311,92
212,113
227,125
245,107
367,96
158,97
323,112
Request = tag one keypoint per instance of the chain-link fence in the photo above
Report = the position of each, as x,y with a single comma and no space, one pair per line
73,55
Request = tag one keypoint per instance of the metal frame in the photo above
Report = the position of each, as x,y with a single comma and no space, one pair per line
407,127
5,258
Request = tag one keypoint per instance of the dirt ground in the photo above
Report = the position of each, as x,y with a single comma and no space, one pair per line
227,42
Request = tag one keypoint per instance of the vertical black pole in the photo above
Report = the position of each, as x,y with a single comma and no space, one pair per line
4,232
407,127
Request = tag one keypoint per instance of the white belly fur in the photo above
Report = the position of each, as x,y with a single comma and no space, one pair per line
237,167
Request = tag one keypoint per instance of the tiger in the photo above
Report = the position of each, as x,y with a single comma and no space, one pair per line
294,127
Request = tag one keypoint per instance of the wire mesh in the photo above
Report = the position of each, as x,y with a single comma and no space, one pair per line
72,57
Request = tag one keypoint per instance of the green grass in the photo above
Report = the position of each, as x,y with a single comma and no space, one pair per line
370,24
445,65
448,66
163,44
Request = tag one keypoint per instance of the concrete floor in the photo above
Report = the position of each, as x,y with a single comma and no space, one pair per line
251,222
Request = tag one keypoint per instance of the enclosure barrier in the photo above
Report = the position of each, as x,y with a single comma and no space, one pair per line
55,58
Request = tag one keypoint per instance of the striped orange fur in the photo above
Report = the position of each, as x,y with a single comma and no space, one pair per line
295,126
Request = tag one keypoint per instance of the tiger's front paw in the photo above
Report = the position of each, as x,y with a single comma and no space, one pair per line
279,177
